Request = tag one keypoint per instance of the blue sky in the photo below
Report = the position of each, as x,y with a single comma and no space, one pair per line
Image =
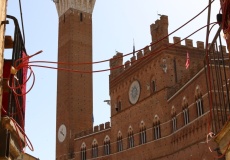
115,25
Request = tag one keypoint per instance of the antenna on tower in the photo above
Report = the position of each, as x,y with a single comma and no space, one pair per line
134,48
159,14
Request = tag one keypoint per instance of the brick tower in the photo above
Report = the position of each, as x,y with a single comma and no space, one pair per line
74,90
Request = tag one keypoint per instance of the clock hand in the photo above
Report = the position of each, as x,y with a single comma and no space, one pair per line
62,133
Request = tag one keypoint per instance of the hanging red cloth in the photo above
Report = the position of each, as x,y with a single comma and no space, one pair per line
187,61
5,96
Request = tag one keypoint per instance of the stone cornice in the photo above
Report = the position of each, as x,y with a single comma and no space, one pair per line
81,5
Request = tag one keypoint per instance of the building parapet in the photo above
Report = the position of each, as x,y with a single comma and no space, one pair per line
94,130
116,63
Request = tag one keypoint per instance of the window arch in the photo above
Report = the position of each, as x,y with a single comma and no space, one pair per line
185,111
153,86
81,16
83,151
94,149
118,104
107,145
142,133
174,119
130,137
119,142
156,128
199,102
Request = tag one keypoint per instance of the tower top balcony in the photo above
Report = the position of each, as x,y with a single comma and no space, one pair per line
81,5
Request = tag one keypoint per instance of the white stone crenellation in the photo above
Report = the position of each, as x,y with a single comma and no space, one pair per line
81,5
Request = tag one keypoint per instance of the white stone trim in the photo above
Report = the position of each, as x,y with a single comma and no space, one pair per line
81,5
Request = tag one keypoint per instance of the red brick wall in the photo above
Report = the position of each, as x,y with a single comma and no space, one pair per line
74,90
172,85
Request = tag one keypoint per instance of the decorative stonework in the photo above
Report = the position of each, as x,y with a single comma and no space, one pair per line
81,5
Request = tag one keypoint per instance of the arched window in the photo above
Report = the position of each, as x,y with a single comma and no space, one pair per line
174,119
156,128
119,142
174,123
107,145
142,133
186,115
118,104
81,17
83,151
199,102
94,149
185,111
130,138
153,86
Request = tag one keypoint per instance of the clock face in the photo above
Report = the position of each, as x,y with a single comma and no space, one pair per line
62,133
134,92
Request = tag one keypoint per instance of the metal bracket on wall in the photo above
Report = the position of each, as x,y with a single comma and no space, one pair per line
5,22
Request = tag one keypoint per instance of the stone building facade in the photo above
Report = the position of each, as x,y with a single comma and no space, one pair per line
159,108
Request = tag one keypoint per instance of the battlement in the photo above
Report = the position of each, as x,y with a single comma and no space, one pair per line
159,29
81,5
116,63
94,130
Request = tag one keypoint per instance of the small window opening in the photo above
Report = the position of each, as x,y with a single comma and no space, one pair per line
81,17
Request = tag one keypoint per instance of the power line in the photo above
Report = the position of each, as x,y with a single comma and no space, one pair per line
20,6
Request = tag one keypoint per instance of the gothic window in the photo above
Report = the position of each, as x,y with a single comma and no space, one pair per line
174,119
186,115
107,145
94,149
199,102
153,84
119,142
174,123
156,128
81,17
118,104
130,138
199,105
185,111
142,133
83,151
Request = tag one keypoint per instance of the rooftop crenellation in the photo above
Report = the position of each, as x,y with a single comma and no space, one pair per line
94,130
117,66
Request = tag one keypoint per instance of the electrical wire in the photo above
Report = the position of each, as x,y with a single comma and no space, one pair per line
17,90
97,71
20,6
25,64
102,61
14,86
27,140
